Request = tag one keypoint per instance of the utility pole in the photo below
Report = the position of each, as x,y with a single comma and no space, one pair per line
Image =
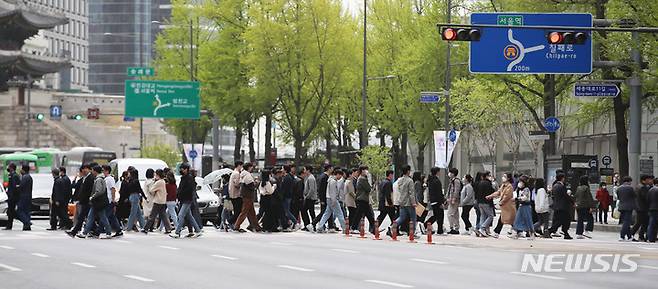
28,117
141,61
635,113
215,142
364,92
447,95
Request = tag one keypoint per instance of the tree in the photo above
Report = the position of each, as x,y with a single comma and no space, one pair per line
163,152
298,49
175,57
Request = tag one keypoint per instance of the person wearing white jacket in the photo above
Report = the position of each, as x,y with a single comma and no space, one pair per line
542,208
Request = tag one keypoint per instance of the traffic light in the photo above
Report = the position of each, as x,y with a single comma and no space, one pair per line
566,37
75,117
37,116
460,34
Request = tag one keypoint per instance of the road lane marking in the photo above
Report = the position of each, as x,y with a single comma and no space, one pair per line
83,265
538,276
648,248
429,261
10,268
295,268
139,278
649,267
123,241
393,284
224,257
7,247
345,251
281,243
40,255
168,248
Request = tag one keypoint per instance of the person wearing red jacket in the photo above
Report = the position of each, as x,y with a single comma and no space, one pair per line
604,198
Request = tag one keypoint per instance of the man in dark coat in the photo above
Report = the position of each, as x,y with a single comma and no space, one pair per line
627,204
562,205
59,201
25,198
13,194
436,198
82,196
642,212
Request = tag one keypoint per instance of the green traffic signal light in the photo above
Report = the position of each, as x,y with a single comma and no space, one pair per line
39,116
78,117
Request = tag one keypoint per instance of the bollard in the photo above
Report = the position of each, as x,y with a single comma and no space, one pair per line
394,232
347,227
428,228
362,232
377,231
411,232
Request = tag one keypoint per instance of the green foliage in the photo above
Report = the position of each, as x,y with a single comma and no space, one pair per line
163,152
376,158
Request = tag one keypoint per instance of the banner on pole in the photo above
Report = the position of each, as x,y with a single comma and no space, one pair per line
440,148
193,153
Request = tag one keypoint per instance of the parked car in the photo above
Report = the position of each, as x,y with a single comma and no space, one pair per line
3,206
42,188
208,202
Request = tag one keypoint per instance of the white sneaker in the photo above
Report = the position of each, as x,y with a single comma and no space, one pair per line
467,232
105,237
495,235
580,237
622,240
309,227
197,235
81,236
587,234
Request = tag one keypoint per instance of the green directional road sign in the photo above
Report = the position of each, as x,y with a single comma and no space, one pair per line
162,99
140,71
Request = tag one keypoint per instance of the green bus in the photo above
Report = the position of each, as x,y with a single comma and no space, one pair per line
19,159
48,158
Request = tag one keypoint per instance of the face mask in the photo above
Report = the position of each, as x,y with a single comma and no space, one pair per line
521,185
451,175
603,187
504,179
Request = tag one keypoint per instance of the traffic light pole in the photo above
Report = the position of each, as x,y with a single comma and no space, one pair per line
28,117
447,96
635,112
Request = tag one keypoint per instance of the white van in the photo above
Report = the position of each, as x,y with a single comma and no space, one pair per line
121,165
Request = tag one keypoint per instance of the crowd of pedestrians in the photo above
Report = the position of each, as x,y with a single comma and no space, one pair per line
287,196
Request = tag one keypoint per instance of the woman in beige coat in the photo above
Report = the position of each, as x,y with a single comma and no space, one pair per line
158,195
506,203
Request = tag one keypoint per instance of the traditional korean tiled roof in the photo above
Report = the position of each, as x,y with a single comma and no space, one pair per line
22,63
18,13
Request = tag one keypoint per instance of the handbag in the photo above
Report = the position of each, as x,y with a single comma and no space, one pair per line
228,205
419,209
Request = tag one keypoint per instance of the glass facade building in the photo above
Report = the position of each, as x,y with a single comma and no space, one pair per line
121,35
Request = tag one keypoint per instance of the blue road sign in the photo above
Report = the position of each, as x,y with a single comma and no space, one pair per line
552,124
589,89
527,51
193,154
452,135
56,112
128,119
430,97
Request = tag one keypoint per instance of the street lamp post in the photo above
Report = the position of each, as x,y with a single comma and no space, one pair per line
364,93
139,36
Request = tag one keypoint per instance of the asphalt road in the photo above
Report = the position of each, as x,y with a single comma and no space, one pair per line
41,259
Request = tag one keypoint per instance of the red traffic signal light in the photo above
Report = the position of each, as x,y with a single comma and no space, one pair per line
449,34
461,34
566,37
